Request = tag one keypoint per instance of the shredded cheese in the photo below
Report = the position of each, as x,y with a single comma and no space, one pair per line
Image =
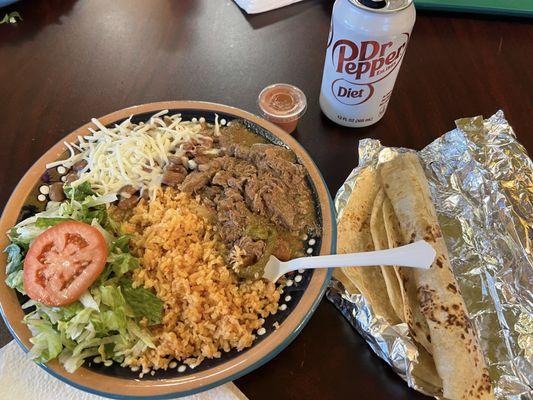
130,154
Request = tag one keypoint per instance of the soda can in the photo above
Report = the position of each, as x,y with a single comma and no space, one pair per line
366,45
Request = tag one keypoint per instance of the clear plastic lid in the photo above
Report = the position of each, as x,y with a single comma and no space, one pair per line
282,102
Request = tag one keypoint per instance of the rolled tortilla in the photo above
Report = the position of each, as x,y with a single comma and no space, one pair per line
411,308
346,282
456,351
424,369
353,235
379,237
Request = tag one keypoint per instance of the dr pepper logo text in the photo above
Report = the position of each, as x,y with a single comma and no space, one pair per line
362,64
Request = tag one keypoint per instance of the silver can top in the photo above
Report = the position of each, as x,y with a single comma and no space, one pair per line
382,6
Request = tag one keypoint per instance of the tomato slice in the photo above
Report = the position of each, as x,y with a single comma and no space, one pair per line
63,262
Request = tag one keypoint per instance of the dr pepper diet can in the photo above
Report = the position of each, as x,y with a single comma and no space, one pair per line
366,45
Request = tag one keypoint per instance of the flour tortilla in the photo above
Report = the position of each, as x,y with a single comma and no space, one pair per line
457,354
353,236
379,237
411,308
424,369
350,287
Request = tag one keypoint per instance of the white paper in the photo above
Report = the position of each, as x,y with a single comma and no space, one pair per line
259,6
22,379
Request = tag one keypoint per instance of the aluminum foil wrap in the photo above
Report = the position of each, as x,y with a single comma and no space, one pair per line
481,182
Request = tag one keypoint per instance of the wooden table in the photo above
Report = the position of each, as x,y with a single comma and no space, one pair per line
72,60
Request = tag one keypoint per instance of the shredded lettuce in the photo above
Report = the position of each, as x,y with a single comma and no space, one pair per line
82,205
119,260
105,320
15,281
14,272
46,222
14,258
72,362
56,314
109,238
77,332
122,263
122,243
88,301
112,296
78,192
46,343
93,201
24,235
143,302
14,238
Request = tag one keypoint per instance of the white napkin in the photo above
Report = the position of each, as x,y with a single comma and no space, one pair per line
22,379
259,6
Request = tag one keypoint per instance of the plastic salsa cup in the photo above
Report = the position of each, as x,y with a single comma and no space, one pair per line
282,104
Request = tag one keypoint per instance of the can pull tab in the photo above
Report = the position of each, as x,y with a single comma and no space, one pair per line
375,4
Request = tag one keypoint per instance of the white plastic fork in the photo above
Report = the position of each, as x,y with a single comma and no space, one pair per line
416,255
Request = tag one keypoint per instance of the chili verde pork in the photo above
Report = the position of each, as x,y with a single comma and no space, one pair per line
254,191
